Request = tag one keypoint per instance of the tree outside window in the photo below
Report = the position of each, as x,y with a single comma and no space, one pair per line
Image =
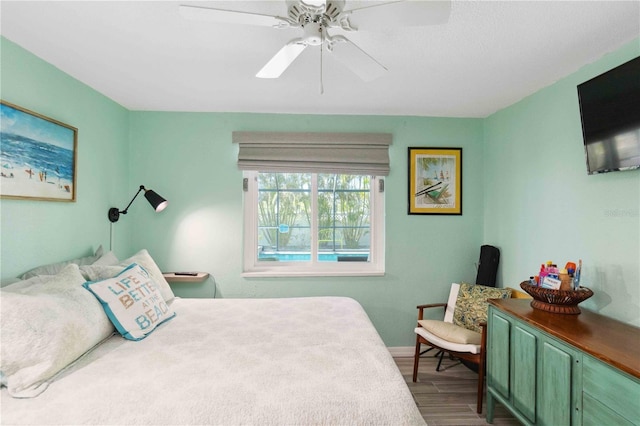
284,210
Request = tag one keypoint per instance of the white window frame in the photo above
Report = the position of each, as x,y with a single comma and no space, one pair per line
253,268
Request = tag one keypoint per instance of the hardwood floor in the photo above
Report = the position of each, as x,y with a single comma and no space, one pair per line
448,397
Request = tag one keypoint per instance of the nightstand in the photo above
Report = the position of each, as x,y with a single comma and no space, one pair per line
174,277
189,284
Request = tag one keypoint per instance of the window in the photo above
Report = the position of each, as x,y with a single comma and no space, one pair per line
313,224
313,203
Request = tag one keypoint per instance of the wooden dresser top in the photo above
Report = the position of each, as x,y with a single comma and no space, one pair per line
611,341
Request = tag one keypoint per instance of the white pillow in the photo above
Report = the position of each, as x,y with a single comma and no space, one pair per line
9,281
132,301
100,272
23,285
45,327
108,258
143,258
54,268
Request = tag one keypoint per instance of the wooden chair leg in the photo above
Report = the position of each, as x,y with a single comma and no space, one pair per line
416,359
480,384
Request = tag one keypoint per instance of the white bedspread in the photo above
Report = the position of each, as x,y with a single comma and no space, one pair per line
295,361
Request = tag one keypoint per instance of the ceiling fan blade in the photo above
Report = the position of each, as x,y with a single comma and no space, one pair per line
230,16
407,13
357,60
281,60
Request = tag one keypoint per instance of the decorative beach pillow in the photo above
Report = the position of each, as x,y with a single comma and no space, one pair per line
143,258
132,301
45,327
471,305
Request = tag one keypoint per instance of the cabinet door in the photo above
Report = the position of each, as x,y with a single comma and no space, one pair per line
597,414
555,382
498,354
523,385
609,395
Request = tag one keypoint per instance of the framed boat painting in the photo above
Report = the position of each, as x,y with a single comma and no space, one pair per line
38,156
435,181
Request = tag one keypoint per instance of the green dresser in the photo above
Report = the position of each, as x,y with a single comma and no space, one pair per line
554,369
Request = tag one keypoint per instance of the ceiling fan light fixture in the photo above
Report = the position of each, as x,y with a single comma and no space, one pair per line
313,3
313,33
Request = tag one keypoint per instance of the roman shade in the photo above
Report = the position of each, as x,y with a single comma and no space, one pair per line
346,153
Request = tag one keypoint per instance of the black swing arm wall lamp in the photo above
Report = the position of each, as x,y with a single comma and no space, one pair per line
157,202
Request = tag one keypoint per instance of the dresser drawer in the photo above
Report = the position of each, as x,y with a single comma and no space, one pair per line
612,388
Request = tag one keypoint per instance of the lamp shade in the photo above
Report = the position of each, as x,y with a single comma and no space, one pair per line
156,201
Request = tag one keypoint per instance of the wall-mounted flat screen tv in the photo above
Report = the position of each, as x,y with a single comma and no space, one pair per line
610,113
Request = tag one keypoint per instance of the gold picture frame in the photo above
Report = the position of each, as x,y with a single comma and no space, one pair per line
38,156
435,181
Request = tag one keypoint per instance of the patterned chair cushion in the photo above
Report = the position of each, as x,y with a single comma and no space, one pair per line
471,305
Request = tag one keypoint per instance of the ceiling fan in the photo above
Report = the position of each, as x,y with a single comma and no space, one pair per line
315,18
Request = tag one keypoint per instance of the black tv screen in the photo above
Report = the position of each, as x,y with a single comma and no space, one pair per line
610,113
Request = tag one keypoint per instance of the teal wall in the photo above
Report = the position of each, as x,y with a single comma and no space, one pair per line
190,160
38,232
540,204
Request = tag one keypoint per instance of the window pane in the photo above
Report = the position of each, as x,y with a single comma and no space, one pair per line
284,203
343,236
343,217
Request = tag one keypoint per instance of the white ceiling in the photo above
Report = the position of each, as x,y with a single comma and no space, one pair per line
490,54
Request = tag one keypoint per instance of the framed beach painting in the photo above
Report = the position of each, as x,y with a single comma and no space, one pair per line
38,156
435,181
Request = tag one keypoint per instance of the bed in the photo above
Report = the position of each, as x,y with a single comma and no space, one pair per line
289,361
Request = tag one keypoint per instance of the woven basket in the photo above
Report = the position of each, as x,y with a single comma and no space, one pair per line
556,301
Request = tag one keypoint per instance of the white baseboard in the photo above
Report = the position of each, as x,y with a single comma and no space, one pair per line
402,351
